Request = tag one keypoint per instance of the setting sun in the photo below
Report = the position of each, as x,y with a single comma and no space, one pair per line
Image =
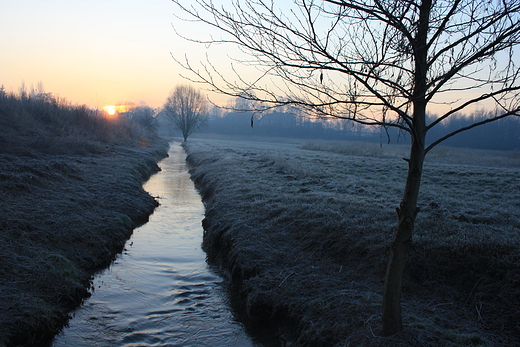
111,110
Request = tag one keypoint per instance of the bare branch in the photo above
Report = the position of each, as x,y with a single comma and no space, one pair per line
358,60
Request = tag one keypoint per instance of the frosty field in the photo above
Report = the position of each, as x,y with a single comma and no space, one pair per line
304,231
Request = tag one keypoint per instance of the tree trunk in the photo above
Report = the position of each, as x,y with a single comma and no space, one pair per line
392,318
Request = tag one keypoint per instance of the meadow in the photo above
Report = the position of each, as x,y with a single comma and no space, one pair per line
303,233
70,195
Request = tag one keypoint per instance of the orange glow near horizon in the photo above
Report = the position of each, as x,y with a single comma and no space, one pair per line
111,110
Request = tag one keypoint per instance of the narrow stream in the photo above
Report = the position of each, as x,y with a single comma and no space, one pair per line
160,291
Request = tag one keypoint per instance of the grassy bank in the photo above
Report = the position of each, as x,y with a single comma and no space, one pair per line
70,196
304,236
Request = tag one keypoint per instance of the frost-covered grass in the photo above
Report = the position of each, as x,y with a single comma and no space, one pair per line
305,235
439,154
70,194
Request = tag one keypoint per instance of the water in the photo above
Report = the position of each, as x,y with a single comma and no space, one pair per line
160,291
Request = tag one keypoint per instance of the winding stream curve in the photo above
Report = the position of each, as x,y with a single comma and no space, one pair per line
160,291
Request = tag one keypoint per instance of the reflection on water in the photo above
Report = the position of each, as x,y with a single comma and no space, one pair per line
160,292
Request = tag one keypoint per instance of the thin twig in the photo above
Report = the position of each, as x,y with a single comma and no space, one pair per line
286,277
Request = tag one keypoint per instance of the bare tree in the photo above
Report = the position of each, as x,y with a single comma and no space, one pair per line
187,109
144,115
375,62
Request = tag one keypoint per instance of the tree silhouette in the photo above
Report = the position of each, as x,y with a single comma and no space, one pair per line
375,62
187,109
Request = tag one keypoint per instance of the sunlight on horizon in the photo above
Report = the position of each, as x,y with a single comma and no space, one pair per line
111,110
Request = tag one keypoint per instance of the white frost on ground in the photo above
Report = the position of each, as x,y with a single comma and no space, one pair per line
305,233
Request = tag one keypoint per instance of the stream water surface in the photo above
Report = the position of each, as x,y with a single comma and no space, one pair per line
160,291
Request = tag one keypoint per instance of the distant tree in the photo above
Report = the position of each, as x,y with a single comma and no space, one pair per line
375,62
242,104
144,116
187,108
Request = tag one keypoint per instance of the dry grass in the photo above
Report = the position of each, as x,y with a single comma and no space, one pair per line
70,194
304,235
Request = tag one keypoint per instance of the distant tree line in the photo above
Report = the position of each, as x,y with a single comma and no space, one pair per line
503,134
284,125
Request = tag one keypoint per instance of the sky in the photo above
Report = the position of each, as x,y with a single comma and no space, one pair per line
102,52
96,52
